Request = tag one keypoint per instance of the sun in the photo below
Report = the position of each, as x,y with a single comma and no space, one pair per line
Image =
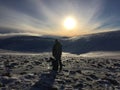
69,23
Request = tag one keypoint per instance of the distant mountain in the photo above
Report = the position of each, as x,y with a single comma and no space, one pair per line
107,41
27,43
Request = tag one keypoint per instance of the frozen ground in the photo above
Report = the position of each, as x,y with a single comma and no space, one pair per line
83,72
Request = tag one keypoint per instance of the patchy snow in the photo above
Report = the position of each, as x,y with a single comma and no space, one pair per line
33,72
102,54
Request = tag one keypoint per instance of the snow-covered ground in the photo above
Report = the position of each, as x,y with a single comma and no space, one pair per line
91,71
102,54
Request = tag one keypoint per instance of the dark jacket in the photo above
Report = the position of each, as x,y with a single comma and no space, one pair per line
57,50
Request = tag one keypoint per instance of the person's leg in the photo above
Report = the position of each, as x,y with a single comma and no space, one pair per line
56,64
60,64
58,58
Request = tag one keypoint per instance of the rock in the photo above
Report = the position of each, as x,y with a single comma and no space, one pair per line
79,71
12,65
112,81
107,61
72,72
117,64
8,74
75,79
30,76
117,88
99,65
93,65
29,66
88,79
36,63
22,73
68,81
53,88
103,82
78,86
26,61
60,81
93,76
17,82
110,68
68,87
66,70
107,74
46,59
7,80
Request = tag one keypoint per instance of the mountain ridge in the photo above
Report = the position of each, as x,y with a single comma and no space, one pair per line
107,41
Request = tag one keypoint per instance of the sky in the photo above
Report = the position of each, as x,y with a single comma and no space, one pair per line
46,17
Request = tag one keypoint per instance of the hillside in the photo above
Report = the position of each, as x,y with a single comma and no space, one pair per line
107,41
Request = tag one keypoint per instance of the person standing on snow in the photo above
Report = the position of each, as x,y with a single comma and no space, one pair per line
57,52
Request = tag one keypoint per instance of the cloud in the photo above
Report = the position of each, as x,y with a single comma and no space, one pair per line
47,16
6,30
13,32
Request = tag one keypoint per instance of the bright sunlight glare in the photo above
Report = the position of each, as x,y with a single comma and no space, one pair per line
69,23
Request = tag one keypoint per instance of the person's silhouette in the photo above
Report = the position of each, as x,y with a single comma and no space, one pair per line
57,52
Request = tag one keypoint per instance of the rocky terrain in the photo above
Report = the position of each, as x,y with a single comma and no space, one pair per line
33,72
